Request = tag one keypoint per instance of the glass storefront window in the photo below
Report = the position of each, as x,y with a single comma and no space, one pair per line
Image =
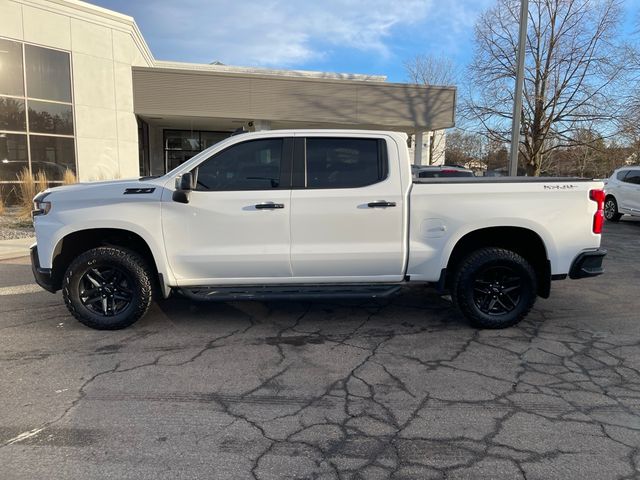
46,117
12,115
181,145
48,74
175,158
11,78
182,140
207,139
13,156
52,155
40,118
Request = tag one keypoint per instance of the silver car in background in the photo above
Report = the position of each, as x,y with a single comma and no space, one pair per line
622,193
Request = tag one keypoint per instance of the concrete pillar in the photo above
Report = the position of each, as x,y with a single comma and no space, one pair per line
418,148
428,143
260,125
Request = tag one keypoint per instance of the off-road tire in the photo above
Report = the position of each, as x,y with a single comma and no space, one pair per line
611,213
136,268
471,268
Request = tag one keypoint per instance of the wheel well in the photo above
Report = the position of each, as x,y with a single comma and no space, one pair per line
523,241
77,243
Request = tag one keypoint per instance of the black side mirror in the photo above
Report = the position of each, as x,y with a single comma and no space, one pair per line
186,181
184,185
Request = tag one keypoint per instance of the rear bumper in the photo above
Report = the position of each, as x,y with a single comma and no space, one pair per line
42,275
588,264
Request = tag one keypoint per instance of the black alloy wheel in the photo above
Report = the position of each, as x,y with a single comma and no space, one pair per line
494,287
496,290
105,290
108,288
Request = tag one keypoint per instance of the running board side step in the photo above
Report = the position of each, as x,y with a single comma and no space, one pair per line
289,292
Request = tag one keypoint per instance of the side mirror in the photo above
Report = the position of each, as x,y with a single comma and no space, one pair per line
186,181
184,185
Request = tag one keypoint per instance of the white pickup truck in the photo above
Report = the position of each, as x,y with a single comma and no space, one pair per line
313,214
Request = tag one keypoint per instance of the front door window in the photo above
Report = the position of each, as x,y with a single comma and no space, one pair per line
253,165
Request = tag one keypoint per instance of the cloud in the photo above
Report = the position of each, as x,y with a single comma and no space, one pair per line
275,32
449,28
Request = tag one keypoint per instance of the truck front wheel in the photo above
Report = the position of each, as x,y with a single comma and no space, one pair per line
494,288
108,288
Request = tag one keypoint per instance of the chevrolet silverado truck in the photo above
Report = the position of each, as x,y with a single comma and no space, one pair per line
298,214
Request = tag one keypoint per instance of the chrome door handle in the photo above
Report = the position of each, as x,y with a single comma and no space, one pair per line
268,206
381,204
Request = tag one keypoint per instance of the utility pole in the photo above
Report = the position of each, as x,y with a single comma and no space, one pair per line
517,103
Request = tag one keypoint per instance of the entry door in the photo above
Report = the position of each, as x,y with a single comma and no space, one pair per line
235,228
347,211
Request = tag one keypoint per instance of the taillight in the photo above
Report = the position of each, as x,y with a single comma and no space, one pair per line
598,217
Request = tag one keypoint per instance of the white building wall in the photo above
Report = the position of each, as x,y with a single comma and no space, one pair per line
433,148
103,45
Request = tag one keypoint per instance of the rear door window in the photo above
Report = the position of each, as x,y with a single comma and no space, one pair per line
345,162
633,177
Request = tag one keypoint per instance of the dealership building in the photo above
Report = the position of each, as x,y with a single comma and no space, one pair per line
80,90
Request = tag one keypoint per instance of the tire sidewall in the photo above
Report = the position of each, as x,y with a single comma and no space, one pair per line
474,267
125,260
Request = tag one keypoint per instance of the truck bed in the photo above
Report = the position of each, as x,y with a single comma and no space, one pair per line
443,210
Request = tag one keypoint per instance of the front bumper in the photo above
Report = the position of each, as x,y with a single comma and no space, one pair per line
42,275
588,264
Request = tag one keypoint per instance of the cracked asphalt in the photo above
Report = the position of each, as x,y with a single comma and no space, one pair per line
327,390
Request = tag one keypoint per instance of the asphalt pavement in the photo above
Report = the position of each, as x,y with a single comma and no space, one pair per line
281,390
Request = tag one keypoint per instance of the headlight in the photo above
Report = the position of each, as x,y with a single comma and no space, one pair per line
40,207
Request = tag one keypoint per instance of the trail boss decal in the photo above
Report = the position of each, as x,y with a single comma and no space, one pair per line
562,186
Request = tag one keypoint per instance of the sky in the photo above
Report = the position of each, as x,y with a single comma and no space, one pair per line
347,36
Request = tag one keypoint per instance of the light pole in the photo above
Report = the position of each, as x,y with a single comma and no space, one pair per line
517,101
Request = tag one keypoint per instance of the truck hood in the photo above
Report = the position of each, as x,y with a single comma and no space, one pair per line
106,192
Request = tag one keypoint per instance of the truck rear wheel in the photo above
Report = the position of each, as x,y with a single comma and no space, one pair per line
108,288
494,288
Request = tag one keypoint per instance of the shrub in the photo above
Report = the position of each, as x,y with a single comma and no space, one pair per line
28,187
42,182
26,191
69,177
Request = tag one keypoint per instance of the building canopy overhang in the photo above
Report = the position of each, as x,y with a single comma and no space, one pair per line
287,101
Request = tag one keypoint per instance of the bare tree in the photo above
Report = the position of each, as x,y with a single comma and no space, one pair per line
592,156
571,73
431,70
463,147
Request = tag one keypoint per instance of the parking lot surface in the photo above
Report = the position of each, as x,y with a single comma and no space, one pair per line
399,389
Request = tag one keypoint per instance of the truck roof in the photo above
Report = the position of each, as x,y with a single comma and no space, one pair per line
331,131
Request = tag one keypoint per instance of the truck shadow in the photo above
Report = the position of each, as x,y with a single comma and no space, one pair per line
416,306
